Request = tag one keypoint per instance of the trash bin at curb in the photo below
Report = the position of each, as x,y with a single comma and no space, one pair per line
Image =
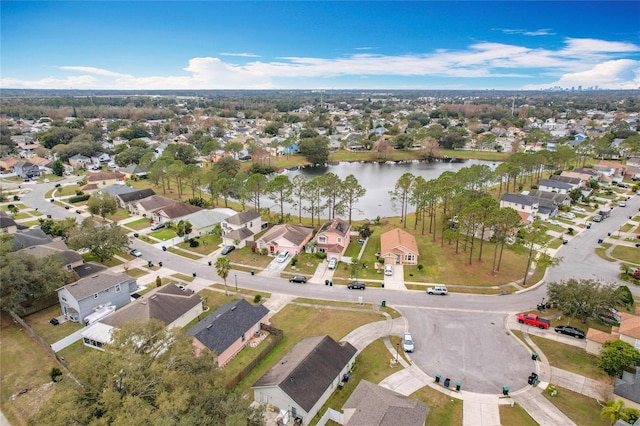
534,356
438,378
384,303
505,390
458,386
253,272
382,284
194,274
209,263
447,382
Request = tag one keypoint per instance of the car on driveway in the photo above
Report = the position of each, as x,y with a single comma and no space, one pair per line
157,226
568,215
407,342
333,262
227,250
553,222
136,253
356,285
281,257
298,279
578,209
570,331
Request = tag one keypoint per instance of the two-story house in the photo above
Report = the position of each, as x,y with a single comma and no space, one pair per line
79,161
552,185
333,238
81,298
240,228
26,169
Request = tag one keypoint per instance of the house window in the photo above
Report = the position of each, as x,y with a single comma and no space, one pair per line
339,240
250,224
118,288
64,299
322,239
95,296
410,257
69,268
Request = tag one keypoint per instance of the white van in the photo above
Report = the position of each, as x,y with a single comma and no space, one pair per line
388,270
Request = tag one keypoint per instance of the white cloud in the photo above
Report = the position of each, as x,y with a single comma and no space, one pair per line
242,55
585,62
534,33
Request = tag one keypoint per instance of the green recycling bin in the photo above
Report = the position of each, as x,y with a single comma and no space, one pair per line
384,303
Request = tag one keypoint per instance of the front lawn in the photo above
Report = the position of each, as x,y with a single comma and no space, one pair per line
443,410
584,411
138,224
119,215
627,254
245,256
515,415
208,244
164,234
570,358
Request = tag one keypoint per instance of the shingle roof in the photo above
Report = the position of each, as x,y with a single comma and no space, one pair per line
243,217
629,386
155,202
93,177
88,286
136,195
30,237
396,238
207,217
292,233
555,184
374,405
338,226
239,234
226,324
117,189
308,369
178,209
167,305
54,247
89,268
553,196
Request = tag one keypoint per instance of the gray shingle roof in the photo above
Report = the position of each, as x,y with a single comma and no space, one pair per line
243,217
555,184
88,286
226,324
292,233
167,305
308,369
116,189
29,238
204,218
136,195
374,405
239,234
629,386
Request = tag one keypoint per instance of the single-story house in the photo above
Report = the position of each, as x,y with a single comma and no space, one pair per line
147,205
306,376
229,329
627,389
71,258
28,237
399,247
80,298
333,238
102,179
79,161
126,198
134,170
556,197
173,212
370,404
291,238
8,223
174,307
628,331
117,189
529,204
204,221
7,163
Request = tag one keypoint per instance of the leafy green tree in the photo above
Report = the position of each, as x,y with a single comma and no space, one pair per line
401,194
180,151
616,355
223,266
184,228
504,222
101,240
29,277
299,182
227,166
315,150
147,375
583,299
280,190
254,188
313,194
332,192
102,204
57,168
131,155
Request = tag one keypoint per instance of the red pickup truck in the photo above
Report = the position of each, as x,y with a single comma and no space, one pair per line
533,319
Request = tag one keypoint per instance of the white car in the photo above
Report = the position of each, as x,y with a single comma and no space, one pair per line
568,215
136,253
407,342
282,256
333,262
553,222
578,209
622,203
388,270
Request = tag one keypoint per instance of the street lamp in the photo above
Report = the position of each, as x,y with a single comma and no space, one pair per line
397,351
236,277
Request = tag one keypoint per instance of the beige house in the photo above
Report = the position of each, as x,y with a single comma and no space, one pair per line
71,258
628,331
399,247
148,205
283,237
173,212
229,329
102,179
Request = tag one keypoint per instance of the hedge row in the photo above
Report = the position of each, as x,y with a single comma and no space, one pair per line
79,198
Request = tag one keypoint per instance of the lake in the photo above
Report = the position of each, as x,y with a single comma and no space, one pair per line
378,179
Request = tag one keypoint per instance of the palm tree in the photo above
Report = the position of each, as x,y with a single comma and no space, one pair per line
223,266
613,410
625,269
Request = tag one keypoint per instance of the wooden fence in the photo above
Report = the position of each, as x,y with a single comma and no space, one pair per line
277,337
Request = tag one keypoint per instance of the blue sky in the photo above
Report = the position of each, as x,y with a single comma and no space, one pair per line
319,45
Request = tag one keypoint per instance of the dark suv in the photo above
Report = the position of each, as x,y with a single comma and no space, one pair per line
570,331
356,285
298,279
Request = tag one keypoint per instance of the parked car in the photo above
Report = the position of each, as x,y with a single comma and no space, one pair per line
622,203
228,249
578,209
333,262
157,226
79,211
623,185
298,279
568,215
553,222
281,257
570,331
356,285
439,289
407,342
597,218
388,270
57,185
136,253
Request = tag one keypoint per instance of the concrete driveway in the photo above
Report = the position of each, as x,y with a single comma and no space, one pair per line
473,348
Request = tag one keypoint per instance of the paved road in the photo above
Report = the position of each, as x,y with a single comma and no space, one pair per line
461,336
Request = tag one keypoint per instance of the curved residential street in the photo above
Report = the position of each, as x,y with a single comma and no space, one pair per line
461,336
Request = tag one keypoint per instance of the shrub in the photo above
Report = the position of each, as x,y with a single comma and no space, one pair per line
78,192
264,251
158,281
16,198
294,260
55,374
420,267
79,198
321,255
194,243
257,298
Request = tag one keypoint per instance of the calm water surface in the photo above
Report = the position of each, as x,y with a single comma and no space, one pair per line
378,180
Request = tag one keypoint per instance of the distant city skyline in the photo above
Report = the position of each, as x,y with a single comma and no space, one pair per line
414,45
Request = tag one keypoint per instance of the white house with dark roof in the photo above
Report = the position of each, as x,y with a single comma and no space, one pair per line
240,228
173,212
80,298
306,376
148,204
229,329
552,185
